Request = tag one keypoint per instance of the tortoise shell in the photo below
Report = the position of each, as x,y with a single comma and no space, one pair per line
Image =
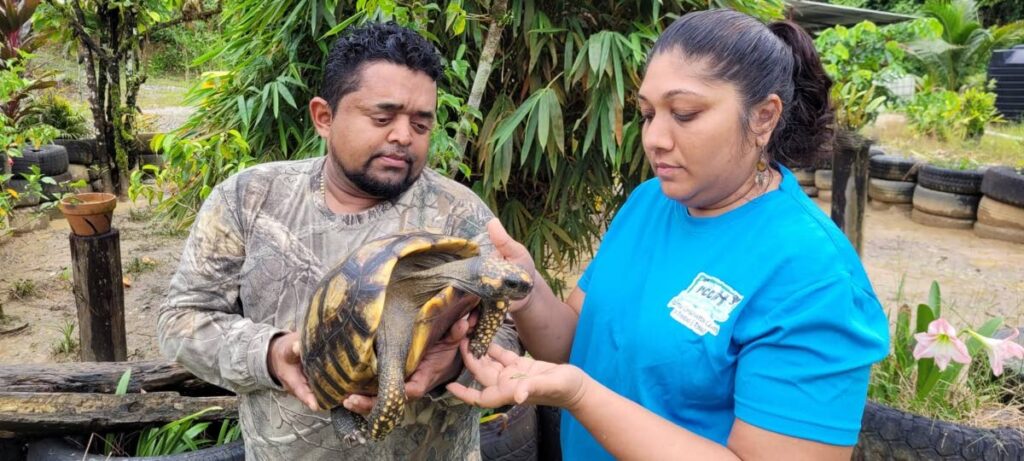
338,354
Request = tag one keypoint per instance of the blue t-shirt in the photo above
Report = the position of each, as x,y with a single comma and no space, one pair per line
763,313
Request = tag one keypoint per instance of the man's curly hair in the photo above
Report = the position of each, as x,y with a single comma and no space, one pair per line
375,42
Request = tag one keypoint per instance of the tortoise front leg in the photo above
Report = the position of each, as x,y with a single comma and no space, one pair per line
492,314
350,426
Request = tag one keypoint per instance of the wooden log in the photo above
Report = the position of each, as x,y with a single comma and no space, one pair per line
850,162
99,295
61,413
101,377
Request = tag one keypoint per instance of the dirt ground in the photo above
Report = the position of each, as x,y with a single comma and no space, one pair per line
979,277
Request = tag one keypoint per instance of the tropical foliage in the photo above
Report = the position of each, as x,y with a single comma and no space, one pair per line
110,35
963,49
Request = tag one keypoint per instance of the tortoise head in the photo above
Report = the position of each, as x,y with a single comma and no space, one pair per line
493,278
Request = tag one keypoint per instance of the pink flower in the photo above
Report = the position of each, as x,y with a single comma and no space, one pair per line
941,344
1001,349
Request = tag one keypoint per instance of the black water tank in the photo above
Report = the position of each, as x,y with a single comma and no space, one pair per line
1007,68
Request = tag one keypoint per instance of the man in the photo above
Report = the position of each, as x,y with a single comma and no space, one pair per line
265,237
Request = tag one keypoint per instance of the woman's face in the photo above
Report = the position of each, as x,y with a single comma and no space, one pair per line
693,132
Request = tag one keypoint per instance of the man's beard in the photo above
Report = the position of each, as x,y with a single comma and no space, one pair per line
376,187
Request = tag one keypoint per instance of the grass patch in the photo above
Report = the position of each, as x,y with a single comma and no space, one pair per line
991,149
140,265
66,343
24,288
140,214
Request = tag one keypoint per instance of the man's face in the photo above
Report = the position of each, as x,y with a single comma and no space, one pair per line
379,135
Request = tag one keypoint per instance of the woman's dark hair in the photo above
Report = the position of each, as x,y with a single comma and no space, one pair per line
375,42
761,60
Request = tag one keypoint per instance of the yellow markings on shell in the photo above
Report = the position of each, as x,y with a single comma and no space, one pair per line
312,319
336,291
423,327
330,398
414,245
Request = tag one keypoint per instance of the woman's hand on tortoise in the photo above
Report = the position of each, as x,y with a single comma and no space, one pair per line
508,378
284,363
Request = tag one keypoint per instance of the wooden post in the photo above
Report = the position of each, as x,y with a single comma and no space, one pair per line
99,295
850,185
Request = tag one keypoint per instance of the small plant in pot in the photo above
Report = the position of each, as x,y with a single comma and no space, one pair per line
88,213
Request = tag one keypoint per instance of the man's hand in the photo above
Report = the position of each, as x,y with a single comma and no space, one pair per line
441,363
285,365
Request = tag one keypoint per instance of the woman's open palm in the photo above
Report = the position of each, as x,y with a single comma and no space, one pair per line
507,378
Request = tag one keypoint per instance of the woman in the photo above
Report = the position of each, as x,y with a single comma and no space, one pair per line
724,315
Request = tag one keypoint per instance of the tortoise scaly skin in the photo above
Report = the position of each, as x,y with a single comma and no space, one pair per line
373,316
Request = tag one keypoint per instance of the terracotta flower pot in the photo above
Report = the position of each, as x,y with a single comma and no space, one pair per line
89,213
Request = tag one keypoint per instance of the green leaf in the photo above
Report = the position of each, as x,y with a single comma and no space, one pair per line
122,384
925,316
902,338
543,120
935,299
287,95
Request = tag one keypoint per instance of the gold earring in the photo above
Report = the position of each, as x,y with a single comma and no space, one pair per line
761,177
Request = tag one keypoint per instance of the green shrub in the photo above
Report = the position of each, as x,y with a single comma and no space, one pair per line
947,114
52,109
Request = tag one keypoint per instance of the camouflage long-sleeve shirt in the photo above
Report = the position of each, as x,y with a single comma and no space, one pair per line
262,241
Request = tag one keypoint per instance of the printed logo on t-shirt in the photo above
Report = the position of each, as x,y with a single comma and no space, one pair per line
705,304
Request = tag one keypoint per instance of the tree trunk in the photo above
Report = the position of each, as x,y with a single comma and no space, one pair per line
100,377
99,295
850,162
483,70
59,413
96,79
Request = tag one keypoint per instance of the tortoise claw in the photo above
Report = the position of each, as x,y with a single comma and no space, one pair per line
349,426
354,439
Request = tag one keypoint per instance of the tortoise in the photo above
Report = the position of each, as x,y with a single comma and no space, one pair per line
372,317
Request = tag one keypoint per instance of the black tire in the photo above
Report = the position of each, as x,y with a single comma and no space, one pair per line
887,191
80,151
893,168
63,450
933,220
142,147
147,159
823,179
888,433
51,191
1007,234
51,159
1004,184
958,206
549,420
511,439
948,180
996,213
21,187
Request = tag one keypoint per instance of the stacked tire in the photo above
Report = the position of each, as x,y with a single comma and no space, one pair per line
891,179
81,153
1001,208
823,182
805,177
946,198
52,161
